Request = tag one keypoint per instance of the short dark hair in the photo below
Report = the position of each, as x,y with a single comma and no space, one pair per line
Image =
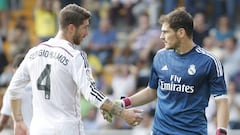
179,18
73,14
18,60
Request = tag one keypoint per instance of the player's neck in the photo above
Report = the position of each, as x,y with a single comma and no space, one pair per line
185,47
63,36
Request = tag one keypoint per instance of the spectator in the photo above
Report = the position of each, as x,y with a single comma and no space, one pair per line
194,6
234,104
231,57
231,10
6,76
124,80
126,55
144,36
94,6
143,73
223,30
200,30
97,70
103,41
227,7
169,5
209,43
90,121
122,9
15,4
230,46
19,38
150,6
3,18
3,58
218,11
235,80
45,16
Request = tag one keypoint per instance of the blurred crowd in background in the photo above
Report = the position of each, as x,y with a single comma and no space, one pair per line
123,38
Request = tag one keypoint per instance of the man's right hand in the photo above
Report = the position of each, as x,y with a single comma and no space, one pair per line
132,116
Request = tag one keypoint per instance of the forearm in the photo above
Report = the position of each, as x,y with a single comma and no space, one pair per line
143,97
222,112
16,110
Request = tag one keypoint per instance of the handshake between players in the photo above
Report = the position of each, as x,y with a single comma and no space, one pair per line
131,116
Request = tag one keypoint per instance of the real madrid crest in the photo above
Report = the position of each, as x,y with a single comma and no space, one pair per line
191,70
89,74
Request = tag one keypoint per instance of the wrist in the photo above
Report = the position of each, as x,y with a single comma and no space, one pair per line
18,118
117,108
126,102
221,131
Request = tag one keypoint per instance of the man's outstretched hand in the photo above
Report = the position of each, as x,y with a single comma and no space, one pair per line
131,116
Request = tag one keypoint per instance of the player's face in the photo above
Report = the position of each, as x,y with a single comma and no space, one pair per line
81,32
169,37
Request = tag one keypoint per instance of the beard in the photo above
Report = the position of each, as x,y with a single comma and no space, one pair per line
76,39
173,45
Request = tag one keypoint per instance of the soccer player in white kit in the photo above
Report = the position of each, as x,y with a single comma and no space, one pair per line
26,107
59,73
26,102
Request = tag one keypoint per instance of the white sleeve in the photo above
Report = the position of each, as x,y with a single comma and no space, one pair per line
19,81
82,75
6,107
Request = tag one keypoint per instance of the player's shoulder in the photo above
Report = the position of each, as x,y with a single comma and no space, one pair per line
205,54
163,55
162,51
31,51
211,59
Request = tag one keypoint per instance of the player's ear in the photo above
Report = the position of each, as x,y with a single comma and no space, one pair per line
71,28
181,32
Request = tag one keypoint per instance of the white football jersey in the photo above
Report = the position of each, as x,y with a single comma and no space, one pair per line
59,74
